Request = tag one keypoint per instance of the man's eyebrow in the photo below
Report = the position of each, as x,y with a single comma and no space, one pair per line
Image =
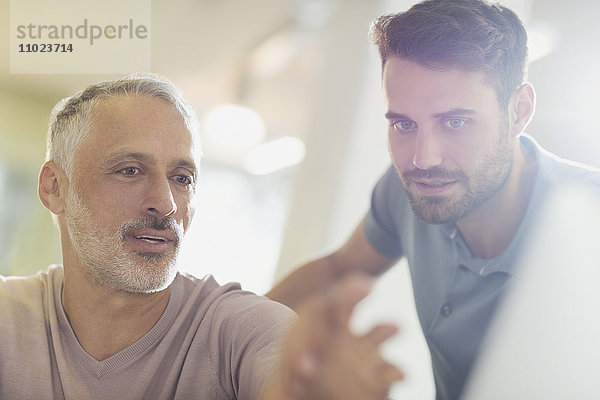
449,113
124,155
393,115
132,155
454,112
187,164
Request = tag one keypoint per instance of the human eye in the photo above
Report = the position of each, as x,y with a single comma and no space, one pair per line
184,179
129,171
454,123
404,125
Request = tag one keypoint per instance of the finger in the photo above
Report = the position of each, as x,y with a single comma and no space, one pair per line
346,295
391,374
378,380
376,375
373,383
322,316
388,375
309,333
380,333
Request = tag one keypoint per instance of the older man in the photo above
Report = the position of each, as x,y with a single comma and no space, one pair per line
117,321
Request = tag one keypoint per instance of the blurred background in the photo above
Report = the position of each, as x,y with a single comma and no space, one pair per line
293,133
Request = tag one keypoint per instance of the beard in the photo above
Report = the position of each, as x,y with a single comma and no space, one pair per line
486,180
107,263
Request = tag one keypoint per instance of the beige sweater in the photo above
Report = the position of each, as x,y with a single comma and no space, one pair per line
212,342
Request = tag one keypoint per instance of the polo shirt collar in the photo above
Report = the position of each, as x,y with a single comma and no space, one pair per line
508,259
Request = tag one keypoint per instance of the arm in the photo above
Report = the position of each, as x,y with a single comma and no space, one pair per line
356,255
322,358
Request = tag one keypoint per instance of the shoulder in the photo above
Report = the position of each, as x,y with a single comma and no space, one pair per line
229,304
389,216
390,180
389,193
556,170
24,306
25,289
237,333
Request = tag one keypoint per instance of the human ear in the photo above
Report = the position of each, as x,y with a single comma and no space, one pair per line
521,108
51,187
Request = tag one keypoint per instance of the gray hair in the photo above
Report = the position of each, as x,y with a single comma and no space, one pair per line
70,119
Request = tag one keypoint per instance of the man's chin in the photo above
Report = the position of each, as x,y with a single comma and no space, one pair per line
147,286
434,219
149,273
435,210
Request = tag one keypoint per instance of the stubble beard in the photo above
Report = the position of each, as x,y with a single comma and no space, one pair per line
107,263
487,180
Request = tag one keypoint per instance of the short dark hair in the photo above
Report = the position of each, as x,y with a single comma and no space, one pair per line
466,34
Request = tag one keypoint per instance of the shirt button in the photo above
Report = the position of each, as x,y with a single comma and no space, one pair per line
446,310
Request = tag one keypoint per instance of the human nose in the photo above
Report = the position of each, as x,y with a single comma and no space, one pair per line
159,199
428,151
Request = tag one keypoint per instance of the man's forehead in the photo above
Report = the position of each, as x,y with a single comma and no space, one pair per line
139,124
404,63
128,110
130,105
402,70
402,77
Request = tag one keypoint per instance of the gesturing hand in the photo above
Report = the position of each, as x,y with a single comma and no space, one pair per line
323,359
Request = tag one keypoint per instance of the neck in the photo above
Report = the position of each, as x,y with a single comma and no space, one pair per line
490,229
106,321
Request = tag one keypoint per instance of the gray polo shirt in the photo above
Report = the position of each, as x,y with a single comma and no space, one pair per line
455,293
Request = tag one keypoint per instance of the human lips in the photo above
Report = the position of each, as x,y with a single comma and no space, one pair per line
432,182
152,241
154,236
433,187
150,234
